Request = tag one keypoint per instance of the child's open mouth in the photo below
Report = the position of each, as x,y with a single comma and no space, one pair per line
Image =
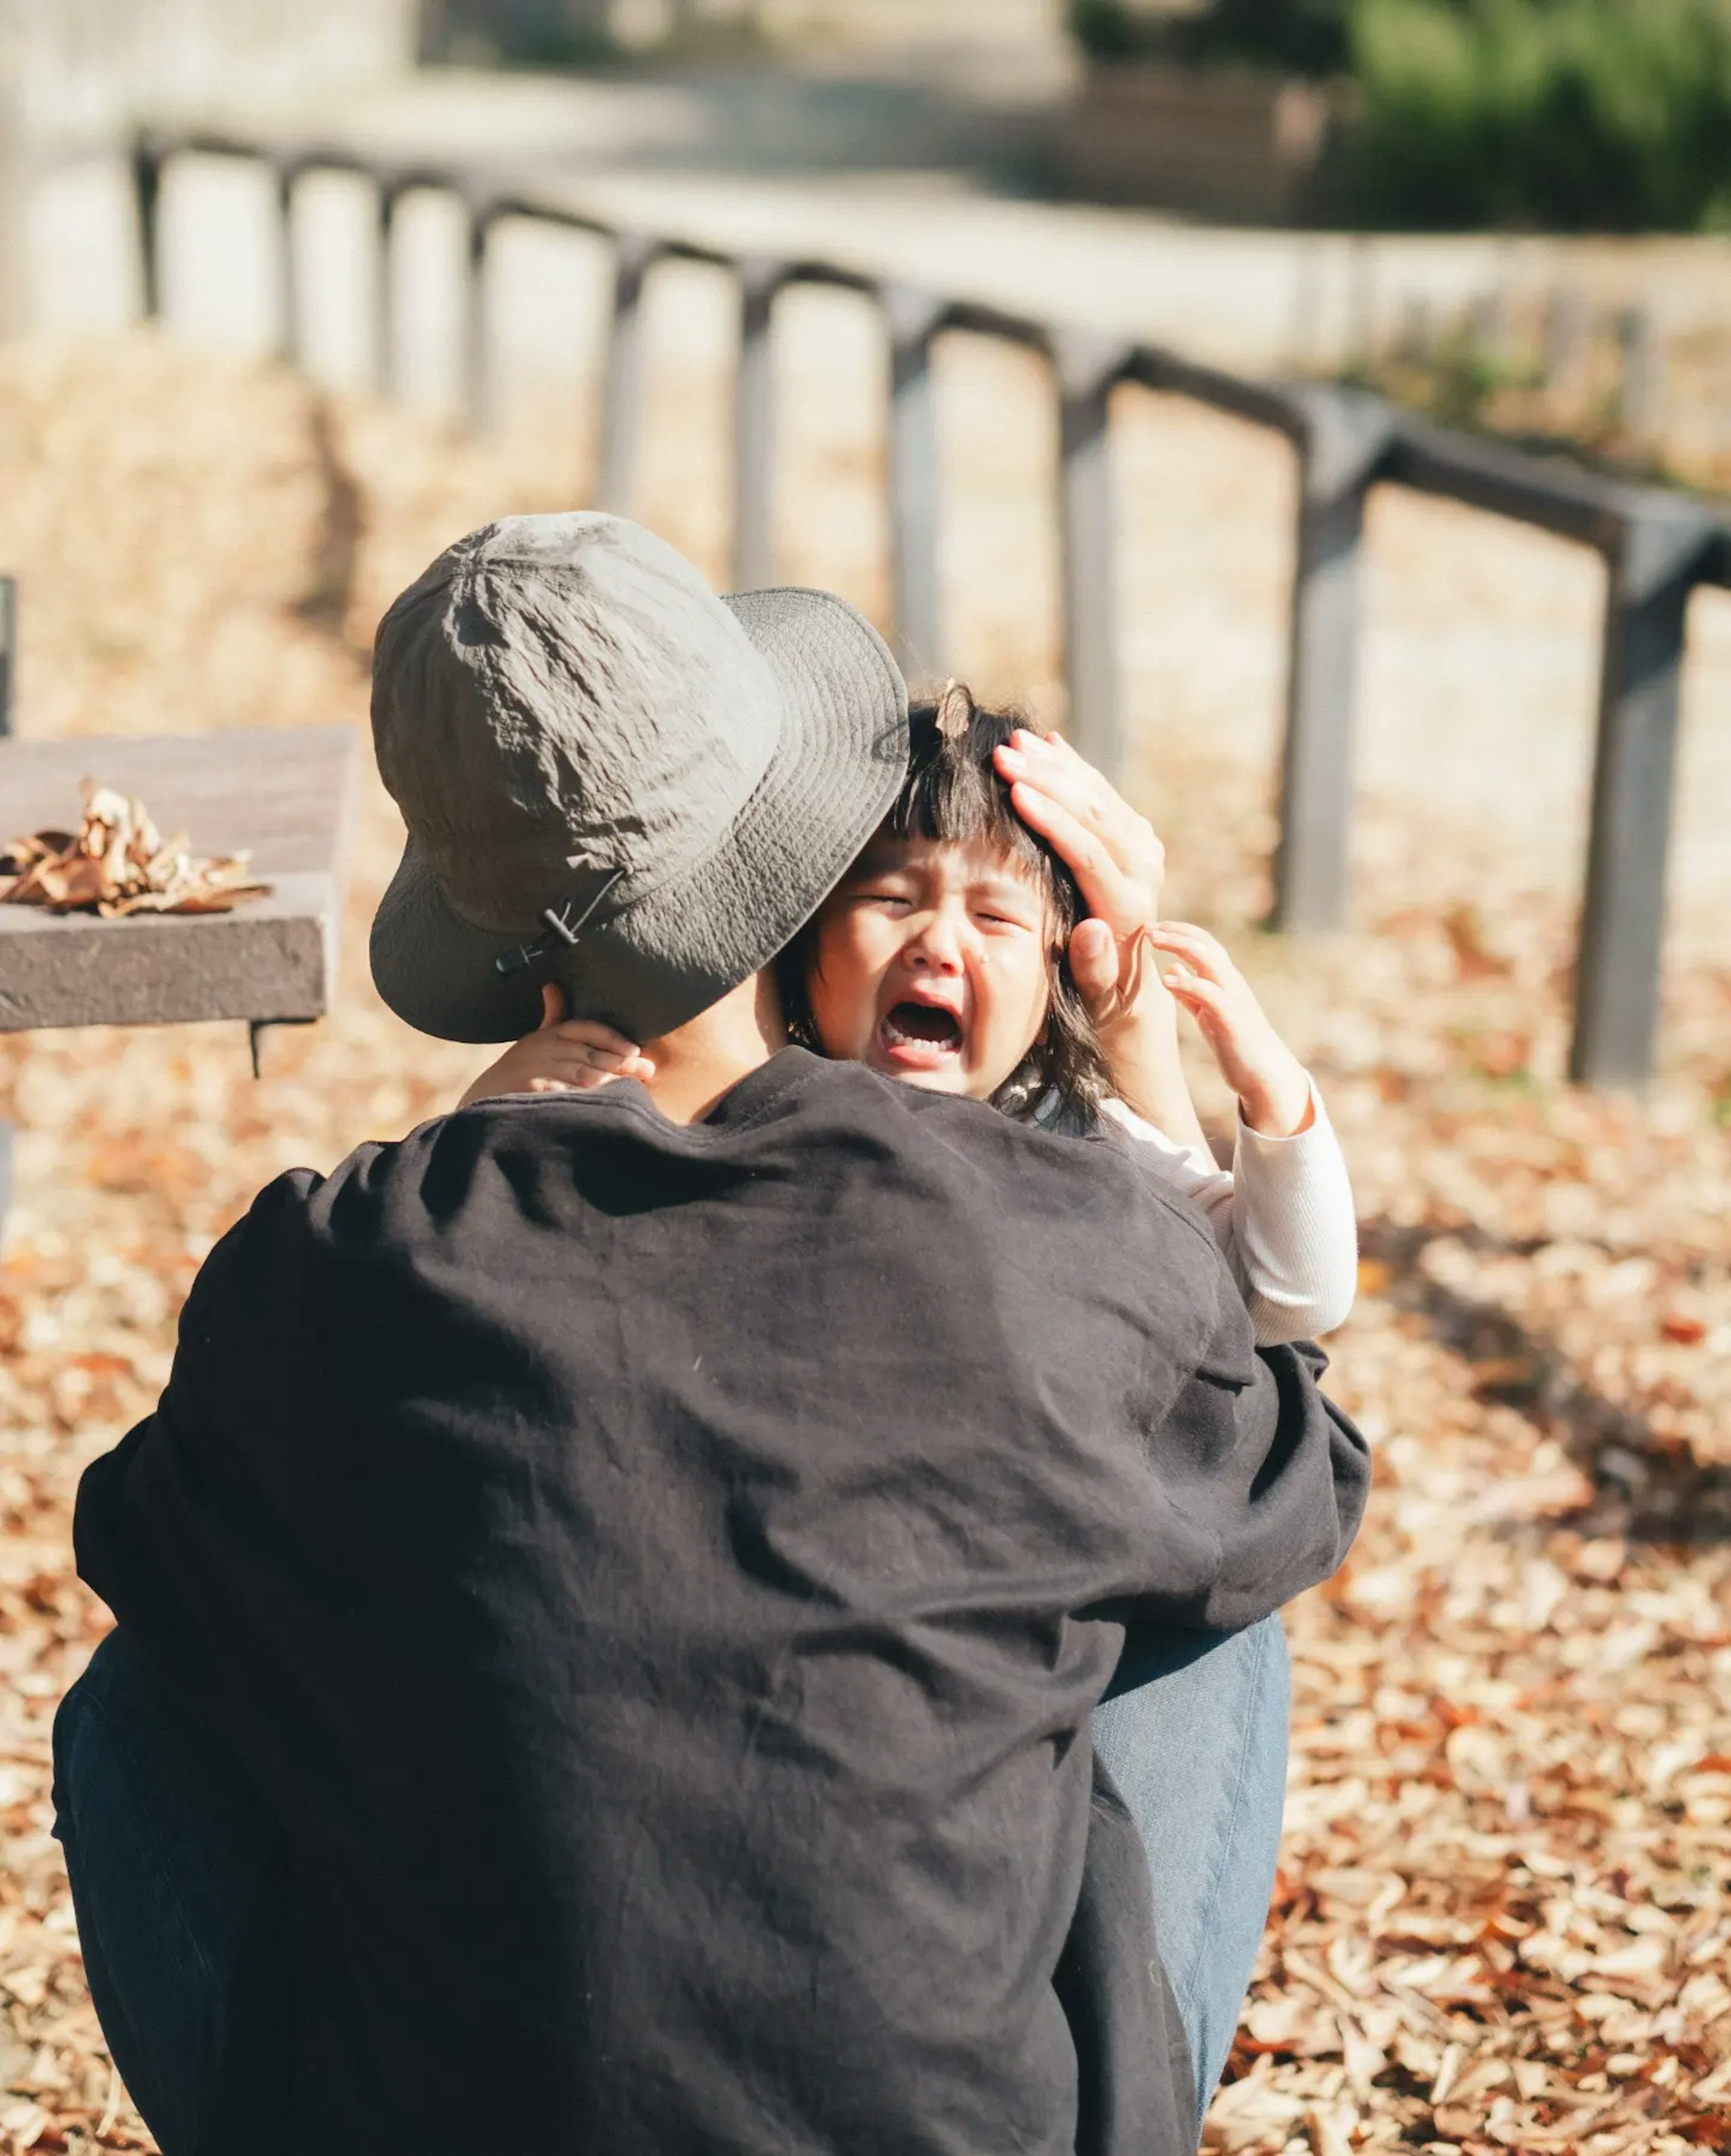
920,1036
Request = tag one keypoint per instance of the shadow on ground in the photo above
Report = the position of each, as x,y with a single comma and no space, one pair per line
1646,1487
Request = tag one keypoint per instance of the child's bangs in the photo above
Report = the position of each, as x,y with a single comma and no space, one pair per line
953,795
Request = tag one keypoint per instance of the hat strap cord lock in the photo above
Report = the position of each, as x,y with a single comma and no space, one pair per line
559,926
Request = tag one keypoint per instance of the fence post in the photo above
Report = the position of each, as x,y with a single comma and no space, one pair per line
1344,440
1641,388
9,683
15,175
477,368
288,332
754,428
1653,568
622,378
1488,326
1414,334
1087,370
8,654
146,195
912,319
384,294
1568,332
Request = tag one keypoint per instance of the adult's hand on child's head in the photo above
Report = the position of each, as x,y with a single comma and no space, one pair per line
1116,857
562,1055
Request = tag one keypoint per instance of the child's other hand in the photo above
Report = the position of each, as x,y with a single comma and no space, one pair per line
565,1055
1272,1085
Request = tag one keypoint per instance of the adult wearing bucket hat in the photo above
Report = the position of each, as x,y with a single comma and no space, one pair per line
578,731
611,1599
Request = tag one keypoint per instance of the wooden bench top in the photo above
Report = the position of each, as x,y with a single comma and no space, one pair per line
286,794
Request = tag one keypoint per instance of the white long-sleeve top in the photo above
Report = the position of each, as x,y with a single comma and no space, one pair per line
1284,1217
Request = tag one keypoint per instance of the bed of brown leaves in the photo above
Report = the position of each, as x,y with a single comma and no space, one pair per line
1501,1921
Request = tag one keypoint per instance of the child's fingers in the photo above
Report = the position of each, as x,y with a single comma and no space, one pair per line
1203,953
570,1081
1197,993
566,1069
580,1065
576,1058
590,1033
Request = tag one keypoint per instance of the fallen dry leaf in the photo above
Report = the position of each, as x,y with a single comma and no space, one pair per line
117,864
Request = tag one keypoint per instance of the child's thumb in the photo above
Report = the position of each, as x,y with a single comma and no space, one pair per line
552,1005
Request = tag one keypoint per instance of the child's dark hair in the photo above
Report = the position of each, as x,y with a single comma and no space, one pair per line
953,793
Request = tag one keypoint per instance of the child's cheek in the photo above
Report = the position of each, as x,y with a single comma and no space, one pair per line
836,994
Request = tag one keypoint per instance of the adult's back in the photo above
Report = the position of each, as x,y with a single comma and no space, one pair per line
660,1577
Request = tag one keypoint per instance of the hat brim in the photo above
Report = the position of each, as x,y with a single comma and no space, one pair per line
837,770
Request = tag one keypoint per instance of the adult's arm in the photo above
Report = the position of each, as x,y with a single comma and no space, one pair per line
176,1528
1268,1477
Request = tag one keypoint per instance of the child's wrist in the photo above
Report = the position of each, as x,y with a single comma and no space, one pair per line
1279,1107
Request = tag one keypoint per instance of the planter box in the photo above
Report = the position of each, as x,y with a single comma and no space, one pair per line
1229,144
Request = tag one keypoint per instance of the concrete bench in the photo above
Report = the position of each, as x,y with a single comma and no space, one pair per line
286,795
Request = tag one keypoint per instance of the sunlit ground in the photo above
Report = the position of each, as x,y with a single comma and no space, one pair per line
1501,1917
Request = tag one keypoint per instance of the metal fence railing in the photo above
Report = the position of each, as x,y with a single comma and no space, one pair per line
1658,546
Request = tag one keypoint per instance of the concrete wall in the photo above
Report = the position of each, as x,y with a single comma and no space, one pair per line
80,68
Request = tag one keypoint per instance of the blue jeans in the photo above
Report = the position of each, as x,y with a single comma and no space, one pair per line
179,1885
1194,1731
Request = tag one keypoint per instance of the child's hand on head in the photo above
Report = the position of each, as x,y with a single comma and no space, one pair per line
564,1056
1272,1085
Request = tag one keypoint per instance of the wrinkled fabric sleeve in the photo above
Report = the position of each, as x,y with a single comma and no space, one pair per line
172,1529
1268,1477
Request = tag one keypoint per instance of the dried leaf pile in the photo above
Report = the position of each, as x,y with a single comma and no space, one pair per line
118,863
1503,1920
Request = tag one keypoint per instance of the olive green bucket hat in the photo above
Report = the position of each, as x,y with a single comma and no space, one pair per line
612,779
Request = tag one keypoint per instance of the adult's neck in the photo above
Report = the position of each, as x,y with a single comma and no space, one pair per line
708,1055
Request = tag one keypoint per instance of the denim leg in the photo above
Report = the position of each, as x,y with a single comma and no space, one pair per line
1195,1733
175,1867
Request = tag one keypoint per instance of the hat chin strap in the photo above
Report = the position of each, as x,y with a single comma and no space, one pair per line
559,926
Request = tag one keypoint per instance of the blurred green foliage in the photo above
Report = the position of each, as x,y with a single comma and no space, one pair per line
1605,115
1307,36
1311,37
1570,114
